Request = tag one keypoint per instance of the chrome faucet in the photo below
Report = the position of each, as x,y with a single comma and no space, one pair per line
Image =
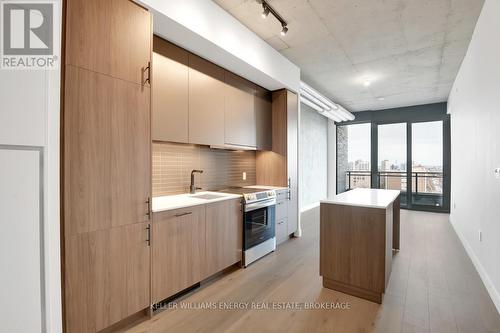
192,188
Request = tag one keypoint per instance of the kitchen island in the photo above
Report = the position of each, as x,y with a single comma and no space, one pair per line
358,231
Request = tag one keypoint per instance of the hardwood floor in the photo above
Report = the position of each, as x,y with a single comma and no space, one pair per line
433,288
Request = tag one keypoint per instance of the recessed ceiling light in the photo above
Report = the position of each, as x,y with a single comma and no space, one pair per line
367,83
381,98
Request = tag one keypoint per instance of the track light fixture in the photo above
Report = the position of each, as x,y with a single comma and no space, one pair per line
266,9
284,30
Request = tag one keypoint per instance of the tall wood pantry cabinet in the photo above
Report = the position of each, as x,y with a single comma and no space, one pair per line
106,163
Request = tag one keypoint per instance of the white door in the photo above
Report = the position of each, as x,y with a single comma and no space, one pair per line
20,245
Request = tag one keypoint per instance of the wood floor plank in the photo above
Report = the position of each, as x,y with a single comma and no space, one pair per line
433,288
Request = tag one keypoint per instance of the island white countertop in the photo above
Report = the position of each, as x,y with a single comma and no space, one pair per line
363,197
169,202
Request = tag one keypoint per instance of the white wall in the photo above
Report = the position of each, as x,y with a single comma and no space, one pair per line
29,123
474,105
313,157
204,28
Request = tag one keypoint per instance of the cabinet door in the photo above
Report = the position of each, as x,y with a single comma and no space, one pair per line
240,122
280,121
263,119
206,102
178,250
107,277
112,37
224,235
107,152
292,160
170,92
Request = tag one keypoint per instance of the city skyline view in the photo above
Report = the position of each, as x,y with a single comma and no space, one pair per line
426,151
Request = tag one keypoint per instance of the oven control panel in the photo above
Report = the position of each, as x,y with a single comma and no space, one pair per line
252,197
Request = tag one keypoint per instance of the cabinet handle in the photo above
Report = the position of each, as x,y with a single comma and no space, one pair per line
148,70
148,237
149,213
281,222
289,195
183,214
289,182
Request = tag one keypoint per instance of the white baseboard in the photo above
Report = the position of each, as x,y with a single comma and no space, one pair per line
492,291
309,207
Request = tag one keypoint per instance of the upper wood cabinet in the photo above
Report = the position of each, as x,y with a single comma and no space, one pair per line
107,277
178,250
112,37
240,122
206,102
170,92
224,235
263,118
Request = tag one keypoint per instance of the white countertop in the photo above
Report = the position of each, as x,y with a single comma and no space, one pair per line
266,187
363,197
170,202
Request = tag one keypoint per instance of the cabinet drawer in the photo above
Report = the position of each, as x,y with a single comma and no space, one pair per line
281,209
282,195
169,214
281,230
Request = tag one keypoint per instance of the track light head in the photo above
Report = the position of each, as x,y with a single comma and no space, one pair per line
265,11
284,30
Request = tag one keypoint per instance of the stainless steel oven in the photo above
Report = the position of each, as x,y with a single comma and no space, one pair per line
259,222
259,227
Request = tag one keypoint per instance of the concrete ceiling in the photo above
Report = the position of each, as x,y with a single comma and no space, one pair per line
409,50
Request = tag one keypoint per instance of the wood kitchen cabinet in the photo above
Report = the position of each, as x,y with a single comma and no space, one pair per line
206,102
106,164
279,167
178,251
263,119
170,92
224,235
107,276
111,37
239,111
107,152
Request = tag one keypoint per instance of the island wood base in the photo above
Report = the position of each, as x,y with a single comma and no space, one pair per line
352,290
356,245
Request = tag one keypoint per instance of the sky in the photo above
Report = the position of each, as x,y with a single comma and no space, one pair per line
427,143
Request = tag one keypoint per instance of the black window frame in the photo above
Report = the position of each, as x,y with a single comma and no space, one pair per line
408,115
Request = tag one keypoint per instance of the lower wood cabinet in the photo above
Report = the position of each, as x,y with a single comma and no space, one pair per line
178,241
224,235
193,243
107,277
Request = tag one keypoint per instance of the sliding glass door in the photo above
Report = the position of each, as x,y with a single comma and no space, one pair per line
354,157
392,158
427,164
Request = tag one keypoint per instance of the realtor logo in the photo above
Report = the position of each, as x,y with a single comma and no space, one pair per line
27,35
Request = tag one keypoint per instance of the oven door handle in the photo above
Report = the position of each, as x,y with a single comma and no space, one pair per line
259,205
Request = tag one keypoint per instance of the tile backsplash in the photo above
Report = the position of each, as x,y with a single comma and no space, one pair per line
173,162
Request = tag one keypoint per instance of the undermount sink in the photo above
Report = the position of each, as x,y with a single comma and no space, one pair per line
207,196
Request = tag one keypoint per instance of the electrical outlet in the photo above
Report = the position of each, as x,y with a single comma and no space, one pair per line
454,206
497,173
480,234
244,176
